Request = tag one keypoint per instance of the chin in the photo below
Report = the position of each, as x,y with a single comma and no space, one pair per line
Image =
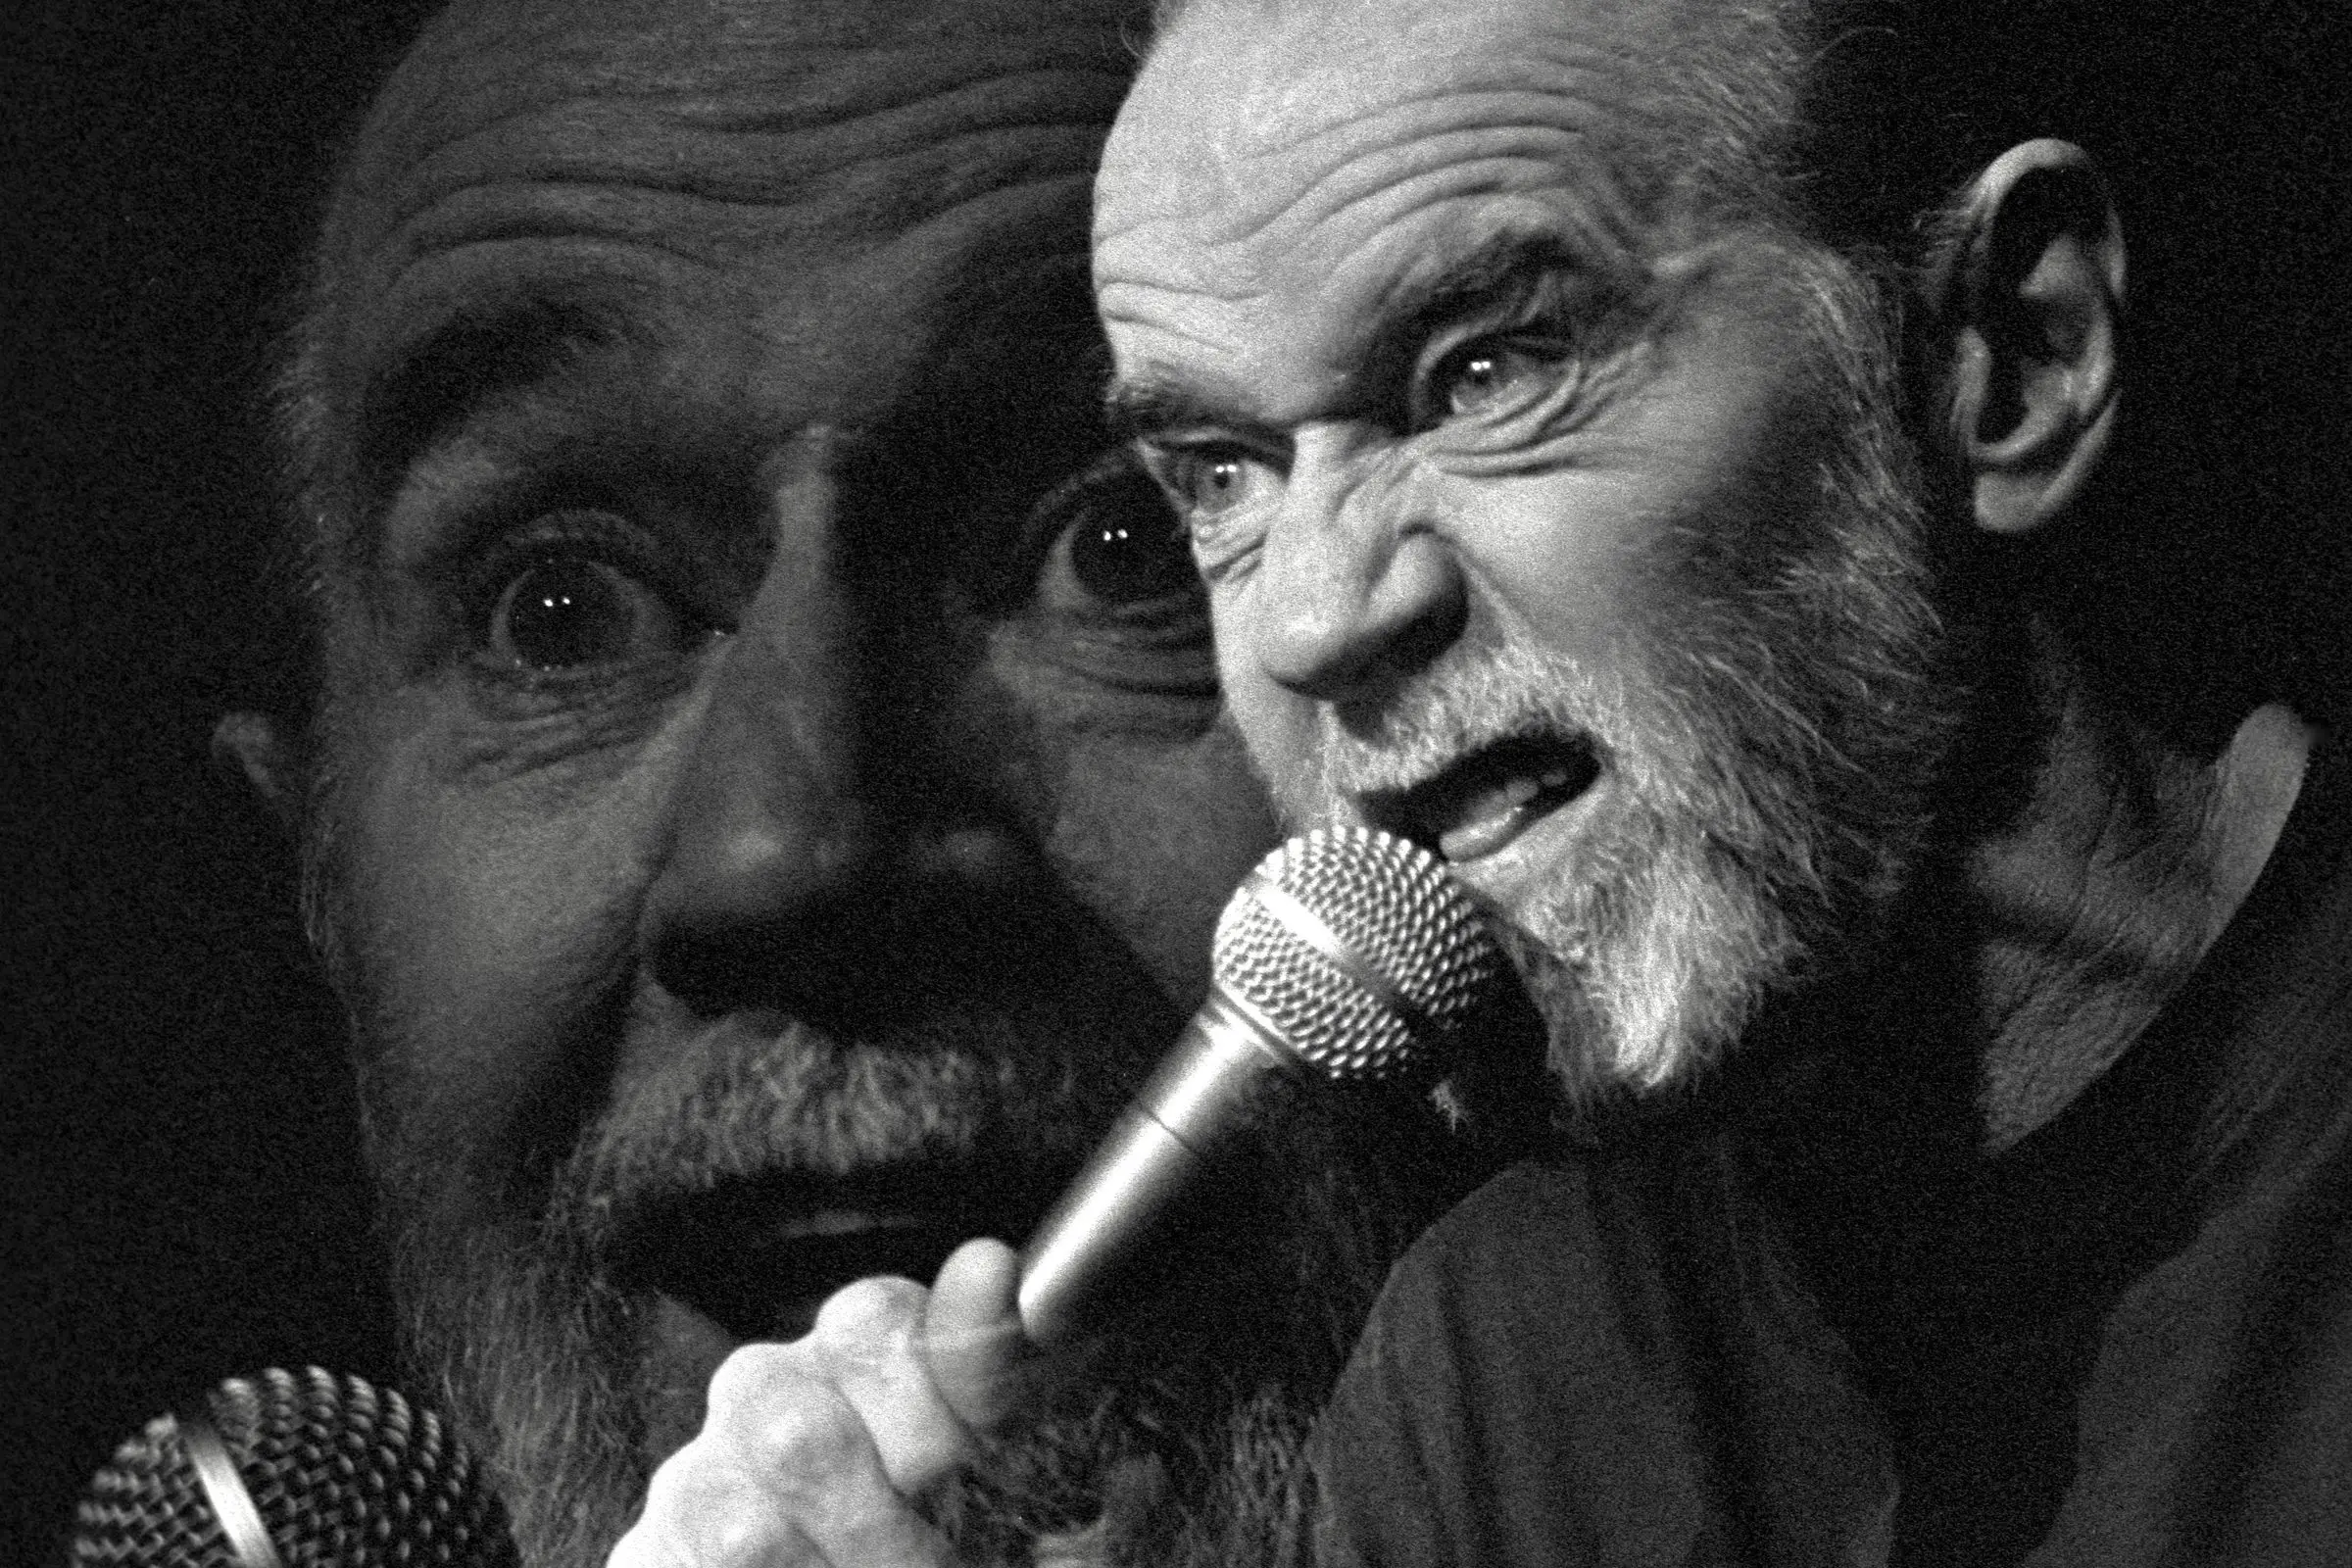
1643,986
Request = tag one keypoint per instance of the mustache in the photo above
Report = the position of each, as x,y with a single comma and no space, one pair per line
1476,698
533,1340
739,1101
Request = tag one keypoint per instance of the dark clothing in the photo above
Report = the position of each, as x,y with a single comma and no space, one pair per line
2127,1339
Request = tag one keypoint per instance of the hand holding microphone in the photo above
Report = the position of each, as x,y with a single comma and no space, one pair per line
1348,956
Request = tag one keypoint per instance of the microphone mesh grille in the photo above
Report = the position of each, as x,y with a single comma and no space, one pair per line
342,1474
1394,907
145,1509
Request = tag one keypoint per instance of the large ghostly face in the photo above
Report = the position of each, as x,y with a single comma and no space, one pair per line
771,796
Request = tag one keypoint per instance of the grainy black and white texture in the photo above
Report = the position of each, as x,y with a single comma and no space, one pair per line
337,1472
182,1203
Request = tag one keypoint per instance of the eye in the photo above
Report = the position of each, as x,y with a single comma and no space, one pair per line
1114,551
1133,558
1487,374
1208,481
566,610
1114,596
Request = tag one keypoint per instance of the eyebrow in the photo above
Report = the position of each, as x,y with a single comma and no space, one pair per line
1156,402
1493,268
469,359
1141,407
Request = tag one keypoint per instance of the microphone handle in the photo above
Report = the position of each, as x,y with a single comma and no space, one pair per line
1187,1118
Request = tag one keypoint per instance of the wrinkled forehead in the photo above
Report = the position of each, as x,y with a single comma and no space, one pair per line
1240,96
825,121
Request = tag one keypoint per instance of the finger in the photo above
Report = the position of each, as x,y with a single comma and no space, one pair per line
869,1335
705,1514
782,1475
859,1517
972,1340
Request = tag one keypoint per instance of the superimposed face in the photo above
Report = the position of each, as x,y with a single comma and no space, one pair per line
1546,481
773,800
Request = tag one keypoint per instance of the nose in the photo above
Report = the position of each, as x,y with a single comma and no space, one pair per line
809,812
1354,589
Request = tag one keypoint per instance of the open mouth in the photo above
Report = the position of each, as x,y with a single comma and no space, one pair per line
1483,800
759,1257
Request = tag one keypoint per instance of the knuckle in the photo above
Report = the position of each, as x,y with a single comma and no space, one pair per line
777,1414
714,1507
751,1380
748,1538
809,1446
885,1306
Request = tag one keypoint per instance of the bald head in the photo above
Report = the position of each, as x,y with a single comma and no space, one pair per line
1707,90
1866,116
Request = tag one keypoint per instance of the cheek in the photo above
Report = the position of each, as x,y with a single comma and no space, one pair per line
1566,556
1154,839
1272,728
1595,561
493,925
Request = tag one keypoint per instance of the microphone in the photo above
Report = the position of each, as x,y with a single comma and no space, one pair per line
1349,954
287,1470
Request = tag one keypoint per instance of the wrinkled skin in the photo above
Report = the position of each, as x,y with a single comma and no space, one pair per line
769,798
1528,503
1548,484
1588,556
1557,510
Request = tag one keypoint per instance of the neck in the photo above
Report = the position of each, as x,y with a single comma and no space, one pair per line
2094,901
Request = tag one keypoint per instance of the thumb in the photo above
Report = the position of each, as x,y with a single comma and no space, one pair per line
980,1361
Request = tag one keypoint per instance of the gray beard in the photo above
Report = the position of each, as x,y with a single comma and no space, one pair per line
1780,748
524,1345
1176,1451
1771,755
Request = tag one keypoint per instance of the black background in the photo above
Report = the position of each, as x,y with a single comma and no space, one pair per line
180,1198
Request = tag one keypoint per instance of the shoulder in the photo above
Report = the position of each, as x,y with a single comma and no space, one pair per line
1523,1391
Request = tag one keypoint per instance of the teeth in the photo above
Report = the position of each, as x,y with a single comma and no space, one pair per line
1487,834
1500,814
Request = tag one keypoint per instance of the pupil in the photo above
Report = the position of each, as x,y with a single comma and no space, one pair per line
565,611
1129,562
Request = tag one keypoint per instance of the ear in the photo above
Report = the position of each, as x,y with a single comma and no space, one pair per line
2025,302
251,744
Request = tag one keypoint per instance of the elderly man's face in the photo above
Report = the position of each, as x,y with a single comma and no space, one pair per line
1547,484
771,801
